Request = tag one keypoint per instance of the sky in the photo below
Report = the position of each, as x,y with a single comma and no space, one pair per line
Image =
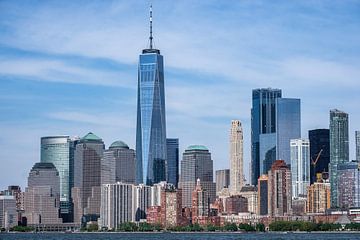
70,67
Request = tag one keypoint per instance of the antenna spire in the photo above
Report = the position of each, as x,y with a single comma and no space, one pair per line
151,37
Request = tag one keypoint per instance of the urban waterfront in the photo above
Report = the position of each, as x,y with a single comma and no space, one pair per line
180,236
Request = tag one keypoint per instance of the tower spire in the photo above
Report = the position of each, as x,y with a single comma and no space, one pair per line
151,37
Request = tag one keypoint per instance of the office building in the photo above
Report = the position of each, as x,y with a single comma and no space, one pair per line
222,179
263,201
196,164
339,149
318,196
349,185
274,121
319,152
236,204
357,145
151,125
236,157
251,194
200,205
172,147
300,167
87,171
141,202
279,189
8,214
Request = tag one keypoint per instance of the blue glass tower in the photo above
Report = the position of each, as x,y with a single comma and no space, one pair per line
151,126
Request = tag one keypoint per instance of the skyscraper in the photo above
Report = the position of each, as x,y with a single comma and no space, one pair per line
263,195
172,146
339,149
196,164
300,167
274,121
349,185
357,143
222,179
236,157
319,152
151,126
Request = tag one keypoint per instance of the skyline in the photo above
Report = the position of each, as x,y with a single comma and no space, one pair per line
66,76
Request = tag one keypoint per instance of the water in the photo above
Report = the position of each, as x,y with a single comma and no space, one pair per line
178,236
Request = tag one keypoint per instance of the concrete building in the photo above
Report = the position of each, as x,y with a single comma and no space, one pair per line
200,206
222,179
300,167
236,204
263,202
318,196
116,204
349,185
156,193
196,164
279,189
251,194
141,202
236,157
8,214
172,172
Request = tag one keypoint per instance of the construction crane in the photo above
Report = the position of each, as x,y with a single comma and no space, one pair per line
314,162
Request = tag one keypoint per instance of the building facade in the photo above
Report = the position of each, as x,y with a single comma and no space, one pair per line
8,214
349,185
196,164
339,149
141,202
357,145
222,179
300,167
318,196
200,205
279,189
172,148
263,202
151,125
251,194
319,152
236,204
236,157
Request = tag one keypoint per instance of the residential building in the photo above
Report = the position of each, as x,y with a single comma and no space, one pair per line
339,149
251,194
318,196
349,185
196,164
222,179
319,152
263,202
236,204
236,157
200,206
141,202
172,148
8,214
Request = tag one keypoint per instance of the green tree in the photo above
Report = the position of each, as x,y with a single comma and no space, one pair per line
246,227
230,227
92,227
260,227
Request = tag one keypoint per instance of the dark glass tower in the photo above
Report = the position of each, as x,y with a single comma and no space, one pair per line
151,126
172,145
319,152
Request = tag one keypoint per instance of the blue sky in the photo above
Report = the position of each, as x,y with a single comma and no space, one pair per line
70,67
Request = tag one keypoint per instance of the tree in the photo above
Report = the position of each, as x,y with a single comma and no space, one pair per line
231,227
260,227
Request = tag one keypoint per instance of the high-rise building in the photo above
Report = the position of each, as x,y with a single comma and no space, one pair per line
196,164
300,167
339,149
116,204
349,185
141,202
318,196
156,191
222,179
151,125
319,152
59,150
357,144
236,157
42,196
263,201
279,189
274,121
87,171
8,214
123,158
172,146
200,205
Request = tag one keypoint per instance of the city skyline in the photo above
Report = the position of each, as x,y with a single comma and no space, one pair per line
74,88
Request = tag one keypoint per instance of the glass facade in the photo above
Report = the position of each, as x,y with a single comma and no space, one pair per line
172,146
151,126
339,149
319,141
357,143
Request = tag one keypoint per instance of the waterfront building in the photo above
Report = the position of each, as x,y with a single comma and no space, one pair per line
200,206
349,185
236,204
357,145
236,157
263,201
319,152
300,167
251,194
18,196
274,121
87,173
116,204
8,214
339,149
196,164
156,191
42,196
151,125
141,202
318,196
222,179
279,189
172,148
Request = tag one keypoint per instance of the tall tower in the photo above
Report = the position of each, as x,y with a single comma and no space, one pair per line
151,126
357,142
236,157
339,149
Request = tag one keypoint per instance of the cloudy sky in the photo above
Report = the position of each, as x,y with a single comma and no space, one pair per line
70,67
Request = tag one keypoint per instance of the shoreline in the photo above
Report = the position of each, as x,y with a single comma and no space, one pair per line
202,232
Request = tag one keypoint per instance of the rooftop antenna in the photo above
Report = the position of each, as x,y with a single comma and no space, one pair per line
151,37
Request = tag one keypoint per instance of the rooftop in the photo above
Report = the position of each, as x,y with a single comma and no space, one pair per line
43,165
196,148
119,144
91,137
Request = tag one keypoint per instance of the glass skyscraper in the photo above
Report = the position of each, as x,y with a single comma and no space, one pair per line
357,143
151,126
339,149
274,121
172,145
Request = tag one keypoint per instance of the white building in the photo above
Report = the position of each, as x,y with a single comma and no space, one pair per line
300,167
236,157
